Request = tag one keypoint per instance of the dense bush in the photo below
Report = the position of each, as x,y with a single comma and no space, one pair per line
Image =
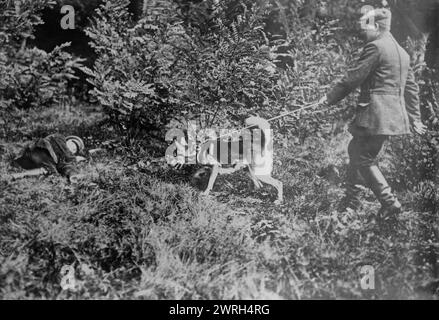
164,66
415,157
315,57
50,34
228,65
133,64
216,62
30,77
37,78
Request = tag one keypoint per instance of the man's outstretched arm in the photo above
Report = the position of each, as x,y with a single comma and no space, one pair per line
356,75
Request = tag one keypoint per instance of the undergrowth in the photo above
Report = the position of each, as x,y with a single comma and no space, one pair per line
137,229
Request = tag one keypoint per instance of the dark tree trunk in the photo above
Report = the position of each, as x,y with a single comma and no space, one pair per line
432,54
415,18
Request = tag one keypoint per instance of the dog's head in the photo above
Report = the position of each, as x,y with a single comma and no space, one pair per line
200,179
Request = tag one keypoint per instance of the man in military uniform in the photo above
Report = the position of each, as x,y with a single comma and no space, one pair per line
388,106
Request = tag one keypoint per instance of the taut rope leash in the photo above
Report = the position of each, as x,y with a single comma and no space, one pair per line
272,119
296,111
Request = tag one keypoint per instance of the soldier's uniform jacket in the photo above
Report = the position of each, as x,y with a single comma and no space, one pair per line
389,98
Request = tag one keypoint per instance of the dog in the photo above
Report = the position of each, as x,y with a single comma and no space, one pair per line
253,151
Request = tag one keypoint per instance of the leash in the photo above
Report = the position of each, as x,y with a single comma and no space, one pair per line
310,106
315,104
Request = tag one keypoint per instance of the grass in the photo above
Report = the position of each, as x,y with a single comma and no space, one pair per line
138,230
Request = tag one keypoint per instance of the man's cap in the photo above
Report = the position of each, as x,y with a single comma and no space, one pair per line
78,141
382,17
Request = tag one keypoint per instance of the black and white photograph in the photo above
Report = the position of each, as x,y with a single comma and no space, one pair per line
219,154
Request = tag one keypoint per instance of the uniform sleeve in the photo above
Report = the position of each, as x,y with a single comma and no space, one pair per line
67,169
356,75
411,96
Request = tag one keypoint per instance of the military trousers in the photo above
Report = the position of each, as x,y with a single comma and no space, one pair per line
363,169
363,152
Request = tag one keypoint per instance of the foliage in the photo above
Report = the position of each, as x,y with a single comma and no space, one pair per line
37,78
170,67
141,232
414,164
134,61
133,228
212,62
416,157
228,65
18,21
30,77
311,58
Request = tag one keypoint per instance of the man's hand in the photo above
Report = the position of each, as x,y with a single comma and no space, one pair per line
419,128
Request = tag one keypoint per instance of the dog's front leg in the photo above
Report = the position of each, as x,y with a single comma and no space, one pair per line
212,179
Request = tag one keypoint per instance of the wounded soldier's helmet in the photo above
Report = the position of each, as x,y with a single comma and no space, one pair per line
75,144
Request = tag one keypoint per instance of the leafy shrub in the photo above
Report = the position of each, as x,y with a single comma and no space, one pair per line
169,64
415,167
416,158
37,78
212,61
134,61
30,77
229,64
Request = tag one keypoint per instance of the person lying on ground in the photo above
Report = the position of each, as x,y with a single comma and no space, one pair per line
52,154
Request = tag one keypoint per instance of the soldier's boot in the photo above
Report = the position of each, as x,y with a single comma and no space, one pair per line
352,198
390,206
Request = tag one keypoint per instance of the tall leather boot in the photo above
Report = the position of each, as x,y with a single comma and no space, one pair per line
390,206
352,198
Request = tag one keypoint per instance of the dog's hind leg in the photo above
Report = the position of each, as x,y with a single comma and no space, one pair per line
275,183
212,179
252,175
